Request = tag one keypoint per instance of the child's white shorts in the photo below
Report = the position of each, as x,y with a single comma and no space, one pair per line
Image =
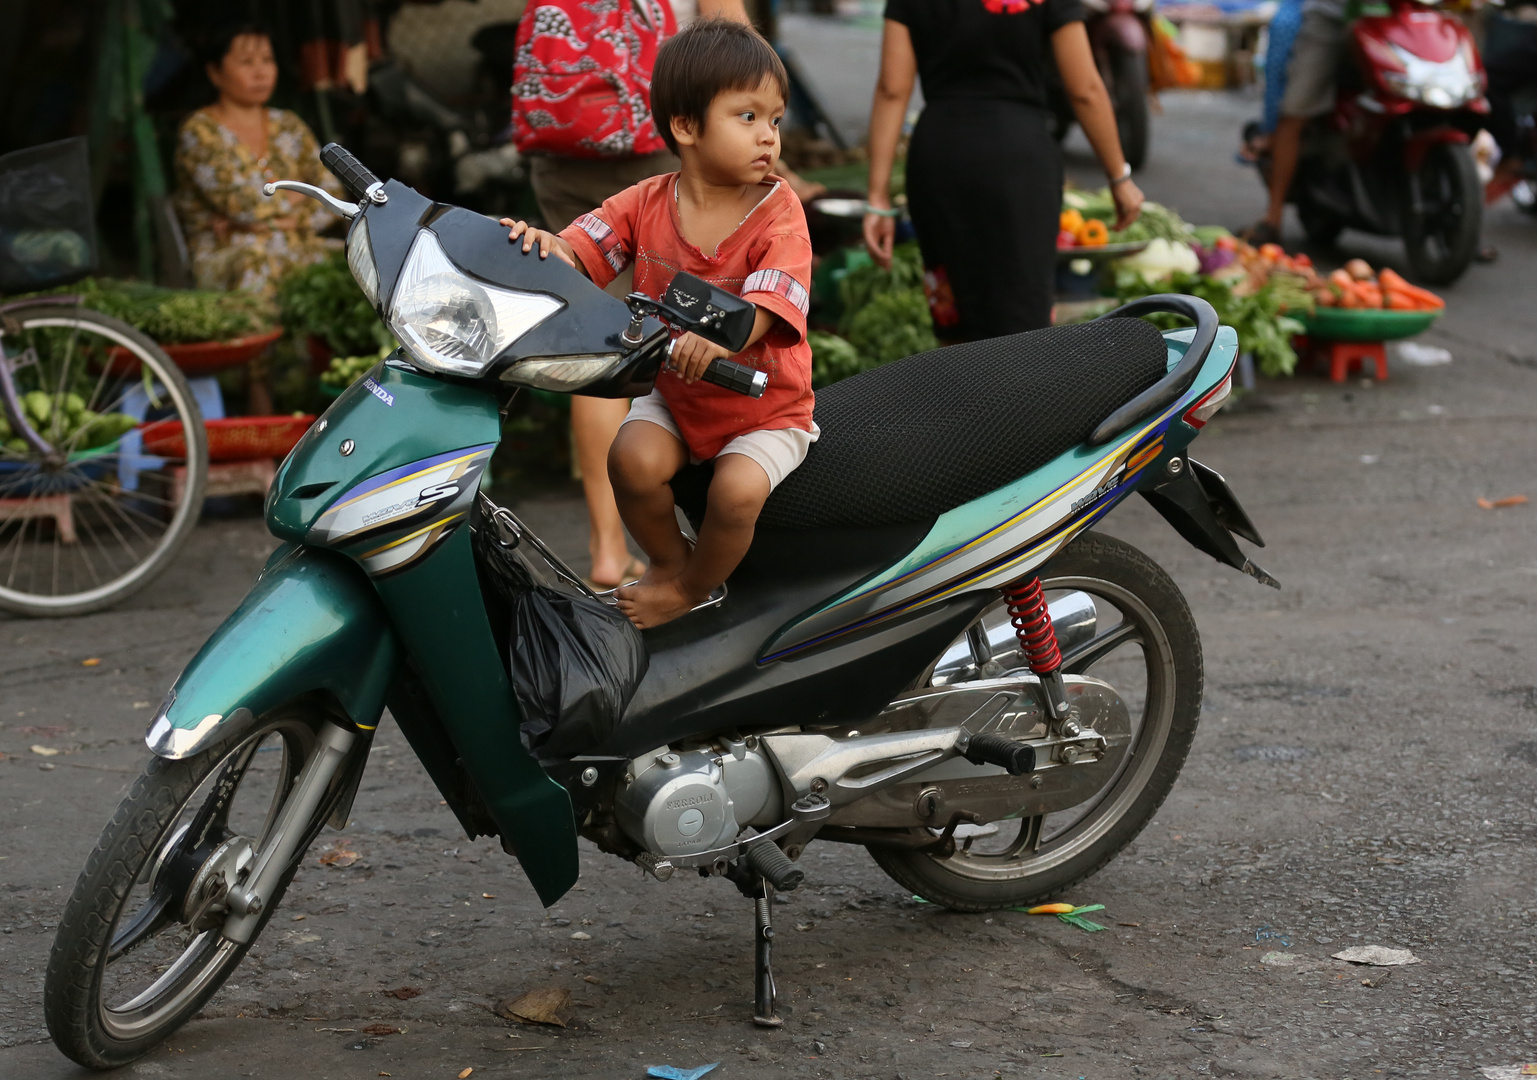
778,451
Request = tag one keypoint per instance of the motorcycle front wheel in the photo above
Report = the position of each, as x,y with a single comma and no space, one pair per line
139,950
1443,213
1147,647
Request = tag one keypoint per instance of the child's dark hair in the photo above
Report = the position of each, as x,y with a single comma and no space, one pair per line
705,59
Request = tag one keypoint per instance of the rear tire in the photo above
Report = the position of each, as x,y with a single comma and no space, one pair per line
1441,237
1155,612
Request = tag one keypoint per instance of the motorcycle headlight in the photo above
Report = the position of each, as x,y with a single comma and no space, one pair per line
360,260
450,323
1443,84
563,373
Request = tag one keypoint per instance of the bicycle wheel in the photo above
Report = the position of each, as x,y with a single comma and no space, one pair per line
102,513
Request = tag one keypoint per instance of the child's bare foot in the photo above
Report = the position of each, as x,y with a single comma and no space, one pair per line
649,604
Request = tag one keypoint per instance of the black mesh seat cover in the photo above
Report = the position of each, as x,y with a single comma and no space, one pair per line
910,440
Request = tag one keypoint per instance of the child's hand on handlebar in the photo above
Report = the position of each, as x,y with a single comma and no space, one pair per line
690,354
548,242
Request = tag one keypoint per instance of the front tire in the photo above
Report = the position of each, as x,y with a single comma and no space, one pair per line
124,922
1029,860
1443,214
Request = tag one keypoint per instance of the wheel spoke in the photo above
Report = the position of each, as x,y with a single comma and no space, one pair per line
1097,648
148,921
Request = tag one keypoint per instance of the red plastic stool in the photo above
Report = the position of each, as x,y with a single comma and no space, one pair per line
1347,356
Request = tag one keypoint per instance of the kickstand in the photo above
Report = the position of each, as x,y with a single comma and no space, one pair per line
764,1013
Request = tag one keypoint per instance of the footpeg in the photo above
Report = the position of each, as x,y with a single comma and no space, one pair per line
767,861
1015,757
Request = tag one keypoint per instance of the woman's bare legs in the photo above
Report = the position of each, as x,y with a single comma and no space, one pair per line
680,579
594,423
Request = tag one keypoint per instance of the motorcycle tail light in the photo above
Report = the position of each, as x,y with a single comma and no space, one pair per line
1204,409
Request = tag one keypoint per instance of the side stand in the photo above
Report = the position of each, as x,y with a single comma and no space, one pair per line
764,1013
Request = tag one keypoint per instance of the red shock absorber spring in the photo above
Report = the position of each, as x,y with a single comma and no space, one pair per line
1032,625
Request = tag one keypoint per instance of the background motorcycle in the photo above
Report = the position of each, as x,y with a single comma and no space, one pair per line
925,652
1119,32
1394,157
1510,53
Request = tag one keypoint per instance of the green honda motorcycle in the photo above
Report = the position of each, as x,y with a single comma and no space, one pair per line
926,652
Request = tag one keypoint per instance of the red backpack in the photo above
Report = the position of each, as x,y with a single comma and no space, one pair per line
581,76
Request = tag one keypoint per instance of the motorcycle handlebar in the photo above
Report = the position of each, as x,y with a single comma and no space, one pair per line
356,178
738,377
732,376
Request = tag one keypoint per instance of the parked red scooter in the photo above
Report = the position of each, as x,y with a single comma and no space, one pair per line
1394,157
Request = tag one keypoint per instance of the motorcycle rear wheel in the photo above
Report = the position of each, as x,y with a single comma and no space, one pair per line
1028,860
123,924
1441,237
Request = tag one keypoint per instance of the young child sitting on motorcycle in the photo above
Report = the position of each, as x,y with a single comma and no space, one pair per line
717,94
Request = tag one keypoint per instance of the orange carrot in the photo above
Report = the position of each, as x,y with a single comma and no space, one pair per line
1370,294
1392,280
1399,301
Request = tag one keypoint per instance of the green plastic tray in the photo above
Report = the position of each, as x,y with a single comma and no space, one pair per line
1355,324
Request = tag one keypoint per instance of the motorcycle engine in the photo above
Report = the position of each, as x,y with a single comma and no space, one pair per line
680,803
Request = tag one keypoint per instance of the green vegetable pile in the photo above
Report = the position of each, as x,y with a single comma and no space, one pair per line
65,421
346,370
322,299
885,317
1156,221
1257,318
175,316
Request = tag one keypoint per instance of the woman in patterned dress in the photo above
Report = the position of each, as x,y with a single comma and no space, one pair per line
239,238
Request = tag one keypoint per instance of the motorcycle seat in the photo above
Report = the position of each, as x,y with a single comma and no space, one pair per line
914,438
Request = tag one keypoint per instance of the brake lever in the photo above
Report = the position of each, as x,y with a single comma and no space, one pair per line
331,202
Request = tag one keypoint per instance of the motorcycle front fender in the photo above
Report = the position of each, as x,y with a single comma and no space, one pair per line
1120,30
1419,144
312,622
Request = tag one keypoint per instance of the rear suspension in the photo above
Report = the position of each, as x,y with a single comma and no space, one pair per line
1038,638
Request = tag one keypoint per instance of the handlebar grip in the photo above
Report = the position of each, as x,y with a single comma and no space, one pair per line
738,377
354,175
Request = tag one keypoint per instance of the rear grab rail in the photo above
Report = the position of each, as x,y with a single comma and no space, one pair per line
1169,388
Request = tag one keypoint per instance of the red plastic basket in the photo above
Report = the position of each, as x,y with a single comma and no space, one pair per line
238,438
201,357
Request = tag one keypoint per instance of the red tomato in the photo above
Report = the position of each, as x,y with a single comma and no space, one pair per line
1271,251
1302,260
1066,239
1227,243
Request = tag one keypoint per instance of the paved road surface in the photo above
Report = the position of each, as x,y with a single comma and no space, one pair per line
1364,774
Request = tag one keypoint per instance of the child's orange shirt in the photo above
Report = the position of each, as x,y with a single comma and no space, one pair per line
767,260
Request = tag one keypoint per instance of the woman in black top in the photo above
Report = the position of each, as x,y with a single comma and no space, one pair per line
984,175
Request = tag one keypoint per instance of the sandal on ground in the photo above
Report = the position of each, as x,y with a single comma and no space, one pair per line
632,574
1261,233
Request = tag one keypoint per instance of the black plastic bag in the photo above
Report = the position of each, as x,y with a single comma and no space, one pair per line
575,662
